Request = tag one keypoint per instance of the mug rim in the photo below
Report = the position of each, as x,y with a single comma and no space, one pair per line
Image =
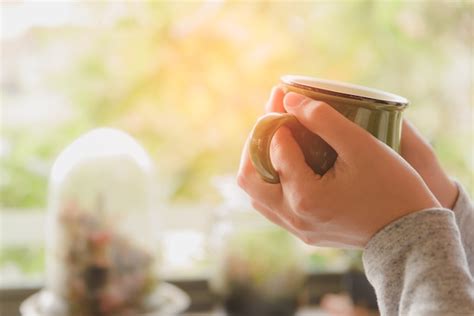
390,98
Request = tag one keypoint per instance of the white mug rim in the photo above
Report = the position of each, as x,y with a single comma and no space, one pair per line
345,90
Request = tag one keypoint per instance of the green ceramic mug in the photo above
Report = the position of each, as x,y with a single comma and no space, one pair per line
376,111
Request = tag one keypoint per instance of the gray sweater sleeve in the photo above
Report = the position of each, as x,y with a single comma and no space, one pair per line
464,213
418,266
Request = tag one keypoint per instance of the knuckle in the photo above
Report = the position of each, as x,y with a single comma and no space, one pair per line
319,110
309,240
302,206
307,209
298,223
323,216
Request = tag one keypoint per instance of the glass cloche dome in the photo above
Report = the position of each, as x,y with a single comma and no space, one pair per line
101,250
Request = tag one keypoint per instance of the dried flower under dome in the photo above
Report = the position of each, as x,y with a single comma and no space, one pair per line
100,255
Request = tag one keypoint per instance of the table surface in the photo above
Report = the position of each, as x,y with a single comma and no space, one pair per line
306,311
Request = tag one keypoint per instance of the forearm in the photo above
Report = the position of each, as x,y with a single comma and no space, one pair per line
464,213
418,266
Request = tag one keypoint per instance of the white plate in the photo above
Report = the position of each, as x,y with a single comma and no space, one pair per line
167,298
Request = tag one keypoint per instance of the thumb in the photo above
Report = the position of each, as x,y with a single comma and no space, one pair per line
342,134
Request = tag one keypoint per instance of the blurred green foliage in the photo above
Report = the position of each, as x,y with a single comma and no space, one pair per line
189,79
262,254
28,260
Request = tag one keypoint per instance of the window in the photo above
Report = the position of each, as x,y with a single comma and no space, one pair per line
188,80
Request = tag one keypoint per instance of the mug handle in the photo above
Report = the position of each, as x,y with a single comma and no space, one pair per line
260,140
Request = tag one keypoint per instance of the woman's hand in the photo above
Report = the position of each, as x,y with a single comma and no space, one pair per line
368,187
420,155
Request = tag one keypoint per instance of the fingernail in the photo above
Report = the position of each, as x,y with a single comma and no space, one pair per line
294,99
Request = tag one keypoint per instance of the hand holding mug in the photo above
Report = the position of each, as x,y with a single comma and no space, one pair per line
368,187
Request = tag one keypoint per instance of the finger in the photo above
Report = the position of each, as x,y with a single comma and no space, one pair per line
343,135
295,178
413,145
251,182
275,102
416,150
288,160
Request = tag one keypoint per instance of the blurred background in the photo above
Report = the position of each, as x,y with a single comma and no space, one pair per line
188,79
